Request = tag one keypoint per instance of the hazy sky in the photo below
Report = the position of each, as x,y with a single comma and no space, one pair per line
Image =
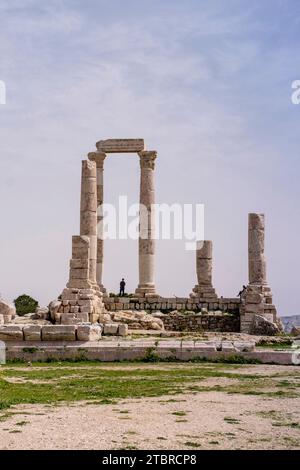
206,83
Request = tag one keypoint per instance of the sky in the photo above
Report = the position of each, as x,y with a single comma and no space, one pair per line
206,83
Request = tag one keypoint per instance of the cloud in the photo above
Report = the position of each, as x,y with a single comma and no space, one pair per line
192,79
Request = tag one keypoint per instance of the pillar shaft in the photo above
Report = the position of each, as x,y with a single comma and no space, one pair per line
204,290
147,229
256,249
88,212
204,263
98,158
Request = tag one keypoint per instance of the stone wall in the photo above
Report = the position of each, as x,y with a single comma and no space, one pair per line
83,332
208,322
165,304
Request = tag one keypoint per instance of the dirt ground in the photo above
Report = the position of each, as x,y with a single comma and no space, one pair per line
198,420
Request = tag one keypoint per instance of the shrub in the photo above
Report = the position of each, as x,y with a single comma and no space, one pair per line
25,304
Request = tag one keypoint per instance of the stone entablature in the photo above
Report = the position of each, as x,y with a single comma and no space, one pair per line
121,145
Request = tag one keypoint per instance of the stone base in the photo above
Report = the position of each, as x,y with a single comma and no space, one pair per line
256,301
204,293
77,306
146,290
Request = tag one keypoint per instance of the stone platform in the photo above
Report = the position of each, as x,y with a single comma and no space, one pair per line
150,349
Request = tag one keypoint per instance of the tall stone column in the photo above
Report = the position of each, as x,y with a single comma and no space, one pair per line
256,249
204,290
98,158
88,213
147,230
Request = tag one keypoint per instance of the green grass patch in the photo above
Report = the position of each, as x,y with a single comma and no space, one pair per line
102,383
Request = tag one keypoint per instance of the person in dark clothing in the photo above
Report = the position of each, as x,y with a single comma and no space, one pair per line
122,287
241,292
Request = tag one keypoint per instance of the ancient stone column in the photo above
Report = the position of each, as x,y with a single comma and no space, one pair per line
204,263
98,158
147,230
204,290
257,299
79,277
256,249
88,213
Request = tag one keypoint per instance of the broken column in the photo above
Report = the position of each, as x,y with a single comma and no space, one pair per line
98,158
81,301
146,286
204,290
257,298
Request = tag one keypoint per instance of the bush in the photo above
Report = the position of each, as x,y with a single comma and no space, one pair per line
25,304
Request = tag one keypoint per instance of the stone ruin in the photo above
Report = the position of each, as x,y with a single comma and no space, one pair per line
85,300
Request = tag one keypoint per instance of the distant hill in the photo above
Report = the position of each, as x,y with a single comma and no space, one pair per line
289,322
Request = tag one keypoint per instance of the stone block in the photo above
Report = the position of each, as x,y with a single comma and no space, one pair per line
244,346
1,319
104,318
82,273
32,333
93,317
121,145
68,318
79,263
110,329
89,332
123,330
59,333
11,333
228,346
7,309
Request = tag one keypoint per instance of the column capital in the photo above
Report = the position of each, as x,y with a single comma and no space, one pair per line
147,158
97,157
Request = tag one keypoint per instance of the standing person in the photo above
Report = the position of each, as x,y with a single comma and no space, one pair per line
241,292
122,287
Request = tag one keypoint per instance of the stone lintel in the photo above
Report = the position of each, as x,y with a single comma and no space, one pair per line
121,145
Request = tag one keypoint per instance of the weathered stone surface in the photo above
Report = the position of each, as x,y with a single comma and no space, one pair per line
123,329
80,247
7,309
261,326
43,313
204,263
32,332
110,329
30,319
88,213
89,332
120,145
208,321
256,242
295,331
227,346
1,319
244,346
104,318
146,227
138,320
54,307
11,333
59,333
